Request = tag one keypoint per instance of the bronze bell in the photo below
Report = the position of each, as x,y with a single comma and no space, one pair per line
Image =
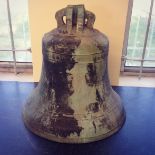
74,102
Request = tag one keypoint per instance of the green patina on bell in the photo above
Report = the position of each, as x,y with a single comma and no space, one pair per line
74,102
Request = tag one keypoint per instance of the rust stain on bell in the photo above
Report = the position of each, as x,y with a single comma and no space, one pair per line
74,102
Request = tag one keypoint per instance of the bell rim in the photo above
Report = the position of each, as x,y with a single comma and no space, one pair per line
77,140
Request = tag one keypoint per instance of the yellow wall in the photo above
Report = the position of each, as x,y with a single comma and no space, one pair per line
110,19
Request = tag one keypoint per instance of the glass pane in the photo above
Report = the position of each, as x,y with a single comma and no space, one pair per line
138,25
150,48
5,42
6,56
23,56
149,64
19,15
131,63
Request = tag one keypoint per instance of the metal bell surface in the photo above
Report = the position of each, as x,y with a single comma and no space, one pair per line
74,101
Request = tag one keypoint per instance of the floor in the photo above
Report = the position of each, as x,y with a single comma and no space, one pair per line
123,81
137,136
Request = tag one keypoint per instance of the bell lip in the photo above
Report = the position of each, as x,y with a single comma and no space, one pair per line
75,140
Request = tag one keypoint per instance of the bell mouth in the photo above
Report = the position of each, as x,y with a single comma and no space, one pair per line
76,140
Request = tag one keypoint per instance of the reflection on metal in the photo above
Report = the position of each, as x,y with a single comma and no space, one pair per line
74,102
11,36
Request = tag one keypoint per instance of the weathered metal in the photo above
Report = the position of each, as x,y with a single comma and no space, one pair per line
74,102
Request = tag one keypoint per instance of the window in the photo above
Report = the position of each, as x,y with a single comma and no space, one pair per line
14,32
139,52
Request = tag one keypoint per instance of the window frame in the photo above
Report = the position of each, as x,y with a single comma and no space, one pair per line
13,64
138,70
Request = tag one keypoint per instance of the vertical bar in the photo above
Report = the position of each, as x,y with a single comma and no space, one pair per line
136,36
23,26
126,34
11,36
151,37
146,38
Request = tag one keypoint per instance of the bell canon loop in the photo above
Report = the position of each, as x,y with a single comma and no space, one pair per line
74,101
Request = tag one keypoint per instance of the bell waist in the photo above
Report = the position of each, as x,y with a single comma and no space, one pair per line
86,58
